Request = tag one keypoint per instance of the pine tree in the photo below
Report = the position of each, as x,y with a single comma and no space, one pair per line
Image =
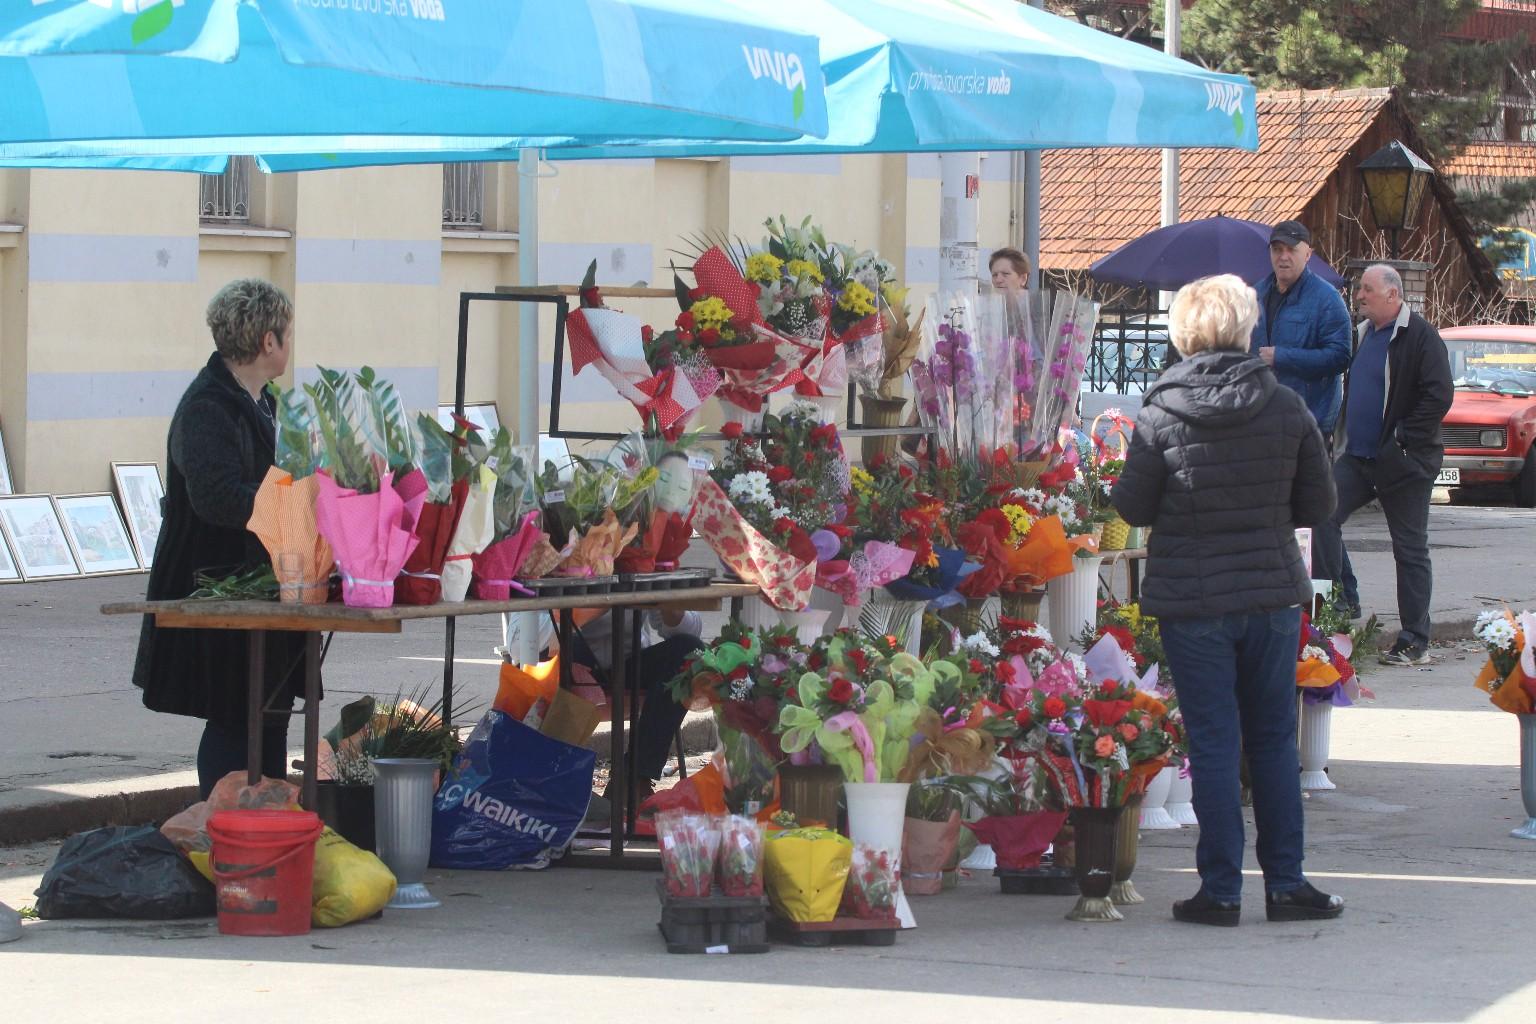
1450,87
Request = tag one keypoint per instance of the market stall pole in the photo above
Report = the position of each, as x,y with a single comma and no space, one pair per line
261,617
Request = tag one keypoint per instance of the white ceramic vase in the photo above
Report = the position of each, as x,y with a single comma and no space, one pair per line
877,817
884,615
809,624
1154,814
750,421
1072,602
1314,735
1181,790
1527,776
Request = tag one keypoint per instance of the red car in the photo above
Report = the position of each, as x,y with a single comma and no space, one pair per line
1492,422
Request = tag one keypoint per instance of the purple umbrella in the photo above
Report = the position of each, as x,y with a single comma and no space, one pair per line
1171,257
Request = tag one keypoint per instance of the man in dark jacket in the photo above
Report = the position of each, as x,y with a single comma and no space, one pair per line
1224,465
1388,445
1304,334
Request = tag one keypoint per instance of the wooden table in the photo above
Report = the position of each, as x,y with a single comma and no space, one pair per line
260,617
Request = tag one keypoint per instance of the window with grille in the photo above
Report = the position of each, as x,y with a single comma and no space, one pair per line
226,198
464,196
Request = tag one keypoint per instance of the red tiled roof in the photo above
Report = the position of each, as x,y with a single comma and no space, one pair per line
1094,200
1494,160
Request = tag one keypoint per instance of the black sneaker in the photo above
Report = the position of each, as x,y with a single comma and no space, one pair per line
1303,904
1407,652
1201,909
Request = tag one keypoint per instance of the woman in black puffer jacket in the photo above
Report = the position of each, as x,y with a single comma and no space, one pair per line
1224,465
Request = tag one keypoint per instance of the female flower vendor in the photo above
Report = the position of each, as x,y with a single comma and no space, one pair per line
221,442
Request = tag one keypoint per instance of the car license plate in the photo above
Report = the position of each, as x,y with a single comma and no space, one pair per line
1448,478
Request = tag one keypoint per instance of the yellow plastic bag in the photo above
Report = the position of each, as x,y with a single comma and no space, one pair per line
805,871
350,883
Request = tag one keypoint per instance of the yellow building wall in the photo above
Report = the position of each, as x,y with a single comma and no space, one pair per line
102,293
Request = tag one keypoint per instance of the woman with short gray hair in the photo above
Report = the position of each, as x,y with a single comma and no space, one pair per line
1224,465
221,443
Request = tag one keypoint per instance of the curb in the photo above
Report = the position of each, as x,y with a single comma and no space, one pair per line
60,818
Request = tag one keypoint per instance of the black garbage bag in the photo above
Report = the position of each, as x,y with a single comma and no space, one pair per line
134,873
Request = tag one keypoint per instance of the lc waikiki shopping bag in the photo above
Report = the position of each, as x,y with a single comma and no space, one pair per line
513,799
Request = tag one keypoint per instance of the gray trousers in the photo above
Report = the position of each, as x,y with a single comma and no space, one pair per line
1403,486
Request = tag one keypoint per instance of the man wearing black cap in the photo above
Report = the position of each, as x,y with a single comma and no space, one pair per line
1303,332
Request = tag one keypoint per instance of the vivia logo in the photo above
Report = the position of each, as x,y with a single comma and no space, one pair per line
784,68
1224,97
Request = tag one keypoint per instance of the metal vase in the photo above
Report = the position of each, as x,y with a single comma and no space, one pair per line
880,412
1022,604
810,792
1527,776
402,810
1123,893
1097,832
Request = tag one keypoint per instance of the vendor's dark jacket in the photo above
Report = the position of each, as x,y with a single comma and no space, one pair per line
1310,336
220,446
1419,394
1224,464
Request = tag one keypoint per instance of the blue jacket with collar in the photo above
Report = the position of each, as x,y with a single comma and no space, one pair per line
1311,337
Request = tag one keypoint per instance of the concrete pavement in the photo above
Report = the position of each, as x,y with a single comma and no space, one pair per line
1416,838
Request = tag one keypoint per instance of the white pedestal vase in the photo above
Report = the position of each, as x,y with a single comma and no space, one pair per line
402,809
884,615
809,624
1314,735
983,858
1527,776
1153,813
750,421
877,817
1181,790
1072,601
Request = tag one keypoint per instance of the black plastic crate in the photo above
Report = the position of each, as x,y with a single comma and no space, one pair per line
713,924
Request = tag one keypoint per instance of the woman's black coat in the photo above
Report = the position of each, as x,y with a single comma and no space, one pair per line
1224,465
221,444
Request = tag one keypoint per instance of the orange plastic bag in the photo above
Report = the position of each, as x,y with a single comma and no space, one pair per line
703,792
521,687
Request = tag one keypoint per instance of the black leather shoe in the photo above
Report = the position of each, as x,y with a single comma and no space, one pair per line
1201,909
1304,904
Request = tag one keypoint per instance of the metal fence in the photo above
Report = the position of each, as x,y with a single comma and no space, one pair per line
463,196
1130,347
226,198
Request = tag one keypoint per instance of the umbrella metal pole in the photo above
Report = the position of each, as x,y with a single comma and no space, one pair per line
528,346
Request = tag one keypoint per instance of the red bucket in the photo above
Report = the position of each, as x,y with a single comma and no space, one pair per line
264,866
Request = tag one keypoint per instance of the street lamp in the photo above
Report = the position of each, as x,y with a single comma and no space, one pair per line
1395,179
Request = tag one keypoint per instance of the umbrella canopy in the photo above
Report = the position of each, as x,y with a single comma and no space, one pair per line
1169,258
281,73
907,76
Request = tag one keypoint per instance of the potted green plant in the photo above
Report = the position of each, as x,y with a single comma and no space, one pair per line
409,726
931,837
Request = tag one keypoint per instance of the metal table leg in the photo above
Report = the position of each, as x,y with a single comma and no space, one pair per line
311,721
255,703
618,778
632,754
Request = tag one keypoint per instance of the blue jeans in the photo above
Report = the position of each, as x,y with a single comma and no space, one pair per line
1236,680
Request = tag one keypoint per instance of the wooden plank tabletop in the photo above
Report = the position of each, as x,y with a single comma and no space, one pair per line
338,618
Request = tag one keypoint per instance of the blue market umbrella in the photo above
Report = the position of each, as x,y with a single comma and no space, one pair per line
1169,258
291,76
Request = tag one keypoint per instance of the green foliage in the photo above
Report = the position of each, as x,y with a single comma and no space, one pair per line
435,457
513,466
296,430
259,584
384,423
334,397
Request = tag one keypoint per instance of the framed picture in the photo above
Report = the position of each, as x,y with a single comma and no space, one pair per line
30,522
8,571
482,414
6,487
96,533
140,492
